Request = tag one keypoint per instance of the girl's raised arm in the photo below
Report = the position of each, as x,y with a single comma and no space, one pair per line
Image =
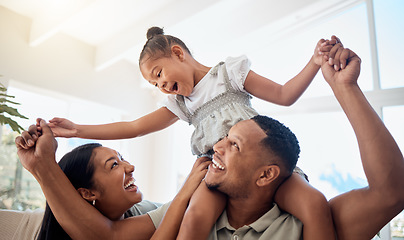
288,93
152,122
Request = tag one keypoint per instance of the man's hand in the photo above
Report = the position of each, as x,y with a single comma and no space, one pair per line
349,66
36,147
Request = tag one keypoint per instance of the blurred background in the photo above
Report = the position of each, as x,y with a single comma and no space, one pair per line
78,59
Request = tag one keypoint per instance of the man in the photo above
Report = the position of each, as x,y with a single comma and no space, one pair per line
255,158
248,177
258,155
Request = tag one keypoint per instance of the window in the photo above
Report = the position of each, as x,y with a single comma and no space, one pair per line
389,23
393,117
18,188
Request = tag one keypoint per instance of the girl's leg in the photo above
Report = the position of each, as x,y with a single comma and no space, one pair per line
309,205
204,209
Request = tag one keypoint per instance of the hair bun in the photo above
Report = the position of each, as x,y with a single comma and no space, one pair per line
154,31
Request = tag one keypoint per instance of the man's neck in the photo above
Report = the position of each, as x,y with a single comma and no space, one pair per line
242,212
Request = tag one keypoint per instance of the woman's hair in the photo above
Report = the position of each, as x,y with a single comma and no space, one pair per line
79,169
159,45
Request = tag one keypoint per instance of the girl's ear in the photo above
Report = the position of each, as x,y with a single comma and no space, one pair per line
178,52
268,174
87,194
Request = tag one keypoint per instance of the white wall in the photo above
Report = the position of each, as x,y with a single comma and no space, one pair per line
63,67
64,64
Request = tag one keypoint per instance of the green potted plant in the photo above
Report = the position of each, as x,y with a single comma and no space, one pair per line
4,108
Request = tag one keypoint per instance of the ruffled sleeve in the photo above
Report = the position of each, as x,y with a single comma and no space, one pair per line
171,104
238,69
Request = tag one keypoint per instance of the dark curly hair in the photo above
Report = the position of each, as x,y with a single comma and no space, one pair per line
159,45
280,140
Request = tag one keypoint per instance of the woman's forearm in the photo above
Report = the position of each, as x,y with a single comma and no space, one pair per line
77,217
171,222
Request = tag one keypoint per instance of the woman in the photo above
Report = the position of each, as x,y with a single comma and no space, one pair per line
104,179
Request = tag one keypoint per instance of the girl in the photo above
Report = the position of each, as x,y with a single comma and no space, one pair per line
213,100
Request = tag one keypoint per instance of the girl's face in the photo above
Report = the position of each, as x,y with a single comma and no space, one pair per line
172,75
114,184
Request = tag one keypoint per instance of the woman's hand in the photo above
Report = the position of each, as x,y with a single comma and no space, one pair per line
36,147
62,127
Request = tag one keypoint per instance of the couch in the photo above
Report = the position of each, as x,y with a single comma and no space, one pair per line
20,225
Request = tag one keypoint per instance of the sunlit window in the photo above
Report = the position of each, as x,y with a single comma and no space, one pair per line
389,22
18,188
393,118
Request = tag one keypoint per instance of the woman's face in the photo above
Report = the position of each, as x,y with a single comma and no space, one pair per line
113,182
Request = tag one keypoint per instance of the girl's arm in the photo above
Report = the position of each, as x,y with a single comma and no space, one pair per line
288,93
149,123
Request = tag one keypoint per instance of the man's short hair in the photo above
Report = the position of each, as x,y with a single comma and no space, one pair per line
280,140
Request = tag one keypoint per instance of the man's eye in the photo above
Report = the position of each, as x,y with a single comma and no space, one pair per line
235,145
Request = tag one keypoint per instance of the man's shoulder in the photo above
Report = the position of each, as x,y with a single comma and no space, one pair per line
274,224
285,226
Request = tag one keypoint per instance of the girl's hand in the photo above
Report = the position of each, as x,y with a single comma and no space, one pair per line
323,49
195,177
62,127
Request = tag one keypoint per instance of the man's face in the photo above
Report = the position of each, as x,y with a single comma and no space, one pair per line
237,158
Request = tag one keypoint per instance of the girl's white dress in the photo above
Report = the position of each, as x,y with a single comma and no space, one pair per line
217,102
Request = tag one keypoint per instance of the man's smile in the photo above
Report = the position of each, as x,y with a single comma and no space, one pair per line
216,164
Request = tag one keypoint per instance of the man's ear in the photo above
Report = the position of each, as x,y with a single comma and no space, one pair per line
87,194
178,52
268,174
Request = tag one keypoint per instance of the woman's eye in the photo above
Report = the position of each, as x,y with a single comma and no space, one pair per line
235,145
159,74
114,165
156,85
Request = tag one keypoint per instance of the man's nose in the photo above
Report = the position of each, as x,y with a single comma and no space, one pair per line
129,168
218,147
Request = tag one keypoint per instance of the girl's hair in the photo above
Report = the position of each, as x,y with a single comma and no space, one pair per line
79,169
159,45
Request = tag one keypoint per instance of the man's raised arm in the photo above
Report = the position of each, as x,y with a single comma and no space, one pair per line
361,213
